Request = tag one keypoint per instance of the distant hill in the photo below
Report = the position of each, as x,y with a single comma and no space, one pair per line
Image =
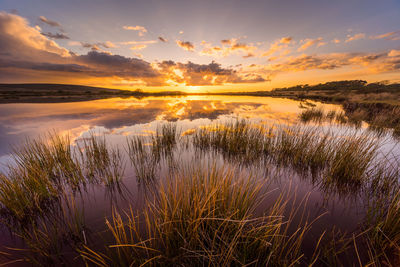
54,93
55,87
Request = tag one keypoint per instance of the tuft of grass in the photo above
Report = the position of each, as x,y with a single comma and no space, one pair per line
49,239
341,118
383,226
313,114
101,163
143,158
239,140
44,169
165,140
304,148
338,160
318,115
353,158
204,216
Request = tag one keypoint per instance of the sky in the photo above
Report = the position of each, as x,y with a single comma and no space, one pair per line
199,46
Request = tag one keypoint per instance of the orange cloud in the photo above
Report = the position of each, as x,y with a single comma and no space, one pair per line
140,29
307,43
138,42
203,74
355,37
16,30
278,46
229,47
28,55
394,53
138,47
376,62
286,40
188,46
388,36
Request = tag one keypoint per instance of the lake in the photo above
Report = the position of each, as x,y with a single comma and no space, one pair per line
340,207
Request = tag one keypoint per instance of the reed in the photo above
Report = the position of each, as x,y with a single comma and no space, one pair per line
50,240
383,226
165,140
204,216
338,159
239,140
319,115
100,163
143,158
313,114
43,169
353,158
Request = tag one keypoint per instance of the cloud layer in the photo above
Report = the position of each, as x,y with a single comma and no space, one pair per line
28,53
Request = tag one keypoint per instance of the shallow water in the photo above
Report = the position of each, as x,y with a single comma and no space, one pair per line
118,118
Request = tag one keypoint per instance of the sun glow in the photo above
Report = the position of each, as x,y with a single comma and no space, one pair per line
191,88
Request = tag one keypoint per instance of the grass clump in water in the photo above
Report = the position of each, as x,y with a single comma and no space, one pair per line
313,114
43,170
143,158
51,240
239,140
204,217
382,221
164,140
100,162
353,158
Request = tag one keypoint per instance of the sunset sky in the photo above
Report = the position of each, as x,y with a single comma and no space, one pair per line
203,45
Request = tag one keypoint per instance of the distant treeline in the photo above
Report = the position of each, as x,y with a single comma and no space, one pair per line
350,85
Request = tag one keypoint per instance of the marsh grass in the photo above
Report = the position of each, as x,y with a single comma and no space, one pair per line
239,140
165,139
314,114
44,169
382,220
306,149
50,240
383,238
205,216
146,154
202,214
337,159
100,162
143,158
319,115
353,158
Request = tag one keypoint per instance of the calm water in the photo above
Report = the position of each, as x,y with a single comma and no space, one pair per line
118,118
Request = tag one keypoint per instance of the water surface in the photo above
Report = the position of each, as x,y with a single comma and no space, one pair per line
119,118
